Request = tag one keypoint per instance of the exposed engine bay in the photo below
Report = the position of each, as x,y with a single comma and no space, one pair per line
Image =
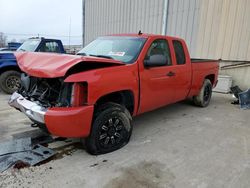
47,92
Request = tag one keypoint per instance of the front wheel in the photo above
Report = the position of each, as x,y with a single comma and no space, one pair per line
10,81
204,97
111,129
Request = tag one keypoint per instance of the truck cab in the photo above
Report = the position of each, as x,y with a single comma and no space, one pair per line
42,45
9,70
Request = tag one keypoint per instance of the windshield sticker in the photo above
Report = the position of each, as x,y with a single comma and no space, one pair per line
116,53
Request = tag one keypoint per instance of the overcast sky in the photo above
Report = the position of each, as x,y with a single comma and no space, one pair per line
20,19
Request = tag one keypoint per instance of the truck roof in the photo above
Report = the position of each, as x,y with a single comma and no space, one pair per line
144,35
43,38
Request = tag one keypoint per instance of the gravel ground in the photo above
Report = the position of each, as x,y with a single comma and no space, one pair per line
176,146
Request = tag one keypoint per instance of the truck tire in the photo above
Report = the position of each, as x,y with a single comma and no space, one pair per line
205,94
10,81
111,129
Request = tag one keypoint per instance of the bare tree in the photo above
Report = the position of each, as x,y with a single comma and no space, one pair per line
3,39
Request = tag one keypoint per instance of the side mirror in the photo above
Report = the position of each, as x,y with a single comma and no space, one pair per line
155,60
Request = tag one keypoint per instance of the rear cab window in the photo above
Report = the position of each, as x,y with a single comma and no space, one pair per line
179,52
50,46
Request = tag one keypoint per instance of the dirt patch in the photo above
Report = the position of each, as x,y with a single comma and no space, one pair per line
61,152
20,165
68,149
145,174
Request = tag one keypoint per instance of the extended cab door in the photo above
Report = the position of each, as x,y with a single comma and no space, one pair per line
182,70
156,81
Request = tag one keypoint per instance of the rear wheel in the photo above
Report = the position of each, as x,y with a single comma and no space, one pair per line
203,99
111,129
10,81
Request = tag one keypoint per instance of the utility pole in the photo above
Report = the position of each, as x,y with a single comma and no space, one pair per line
83,23
69,30
165,18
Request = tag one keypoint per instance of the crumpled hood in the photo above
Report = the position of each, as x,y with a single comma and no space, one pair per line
50,65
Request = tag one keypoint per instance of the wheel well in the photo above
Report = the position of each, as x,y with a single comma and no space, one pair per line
125,98
211,77
8,68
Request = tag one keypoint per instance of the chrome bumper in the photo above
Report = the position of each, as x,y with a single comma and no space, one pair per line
31,109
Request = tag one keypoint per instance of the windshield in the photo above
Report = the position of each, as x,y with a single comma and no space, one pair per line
29,45
125,49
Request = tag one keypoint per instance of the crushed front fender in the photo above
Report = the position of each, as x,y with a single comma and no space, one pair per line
69,122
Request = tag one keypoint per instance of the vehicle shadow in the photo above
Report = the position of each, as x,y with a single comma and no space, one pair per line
160,118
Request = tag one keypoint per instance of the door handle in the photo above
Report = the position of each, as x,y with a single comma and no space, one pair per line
171,74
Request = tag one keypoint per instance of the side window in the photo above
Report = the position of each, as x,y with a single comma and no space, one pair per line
50,47
179,53
159,47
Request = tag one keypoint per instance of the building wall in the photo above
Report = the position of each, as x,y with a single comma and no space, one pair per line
122,16
240,73
183,20
216,29
213,29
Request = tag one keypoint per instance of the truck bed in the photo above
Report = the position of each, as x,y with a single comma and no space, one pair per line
202,68
195,60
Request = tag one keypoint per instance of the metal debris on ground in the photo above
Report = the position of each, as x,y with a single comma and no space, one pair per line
37,136
22,151
236,90
244,98
15,146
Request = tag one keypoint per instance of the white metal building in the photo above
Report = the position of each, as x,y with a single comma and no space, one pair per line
214,29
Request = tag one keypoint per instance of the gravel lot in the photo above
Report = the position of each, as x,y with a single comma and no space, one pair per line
178,146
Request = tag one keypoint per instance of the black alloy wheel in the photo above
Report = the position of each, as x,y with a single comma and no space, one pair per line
111,129
207,93
111,132
204,97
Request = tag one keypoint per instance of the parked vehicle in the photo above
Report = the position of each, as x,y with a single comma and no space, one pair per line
9,70
13,46
95,94
4,49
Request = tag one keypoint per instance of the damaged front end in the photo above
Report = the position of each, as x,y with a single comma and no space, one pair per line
55,106
49,99
37,95
47,92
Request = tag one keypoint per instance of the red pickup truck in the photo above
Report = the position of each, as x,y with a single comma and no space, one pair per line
95,94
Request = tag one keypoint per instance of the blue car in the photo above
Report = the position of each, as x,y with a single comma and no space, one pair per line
10,73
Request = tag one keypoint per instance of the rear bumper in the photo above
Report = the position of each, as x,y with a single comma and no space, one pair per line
60,121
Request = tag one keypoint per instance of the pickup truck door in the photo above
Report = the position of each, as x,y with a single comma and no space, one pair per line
182,70
156,82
